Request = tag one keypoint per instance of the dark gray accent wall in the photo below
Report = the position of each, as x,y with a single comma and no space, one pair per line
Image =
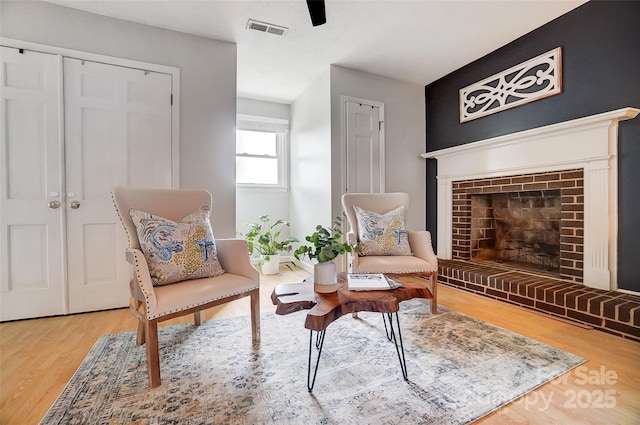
600,43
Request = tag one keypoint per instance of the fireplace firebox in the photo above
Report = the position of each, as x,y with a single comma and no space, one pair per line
521,229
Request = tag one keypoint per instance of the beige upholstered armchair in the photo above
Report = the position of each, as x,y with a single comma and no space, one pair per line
188,270
416,258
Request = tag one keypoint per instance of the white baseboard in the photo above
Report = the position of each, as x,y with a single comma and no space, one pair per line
283,259
308,267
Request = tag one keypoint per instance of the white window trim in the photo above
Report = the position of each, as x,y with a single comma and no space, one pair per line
281,128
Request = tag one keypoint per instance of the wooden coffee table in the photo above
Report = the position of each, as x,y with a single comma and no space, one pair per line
325,308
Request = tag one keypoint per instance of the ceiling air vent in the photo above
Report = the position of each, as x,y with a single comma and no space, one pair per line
266,27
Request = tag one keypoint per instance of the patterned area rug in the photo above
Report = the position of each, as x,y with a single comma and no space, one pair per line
460,369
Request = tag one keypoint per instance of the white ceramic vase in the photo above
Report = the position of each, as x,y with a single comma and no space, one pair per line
325,278
272,266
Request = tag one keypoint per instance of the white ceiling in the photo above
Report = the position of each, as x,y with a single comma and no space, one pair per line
417,41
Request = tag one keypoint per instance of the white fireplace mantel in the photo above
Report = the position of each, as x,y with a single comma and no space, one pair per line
590,143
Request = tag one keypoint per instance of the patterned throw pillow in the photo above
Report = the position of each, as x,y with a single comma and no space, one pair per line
382,234
177,251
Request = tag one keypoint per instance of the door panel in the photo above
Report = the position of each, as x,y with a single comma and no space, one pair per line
28,245
103,256
147,158
31,234
364,160
118,132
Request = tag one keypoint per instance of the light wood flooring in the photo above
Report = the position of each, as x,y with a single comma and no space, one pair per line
39,356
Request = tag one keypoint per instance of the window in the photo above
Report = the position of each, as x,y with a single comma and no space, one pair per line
261,153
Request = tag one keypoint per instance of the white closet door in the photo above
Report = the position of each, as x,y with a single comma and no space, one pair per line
117,132
31,232
365,159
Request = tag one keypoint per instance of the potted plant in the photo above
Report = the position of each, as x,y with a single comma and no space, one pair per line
265,238
326,245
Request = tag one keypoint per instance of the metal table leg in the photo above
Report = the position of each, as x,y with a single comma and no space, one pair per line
319,343
397,340
392,331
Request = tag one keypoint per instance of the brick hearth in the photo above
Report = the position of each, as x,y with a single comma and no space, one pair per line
609,311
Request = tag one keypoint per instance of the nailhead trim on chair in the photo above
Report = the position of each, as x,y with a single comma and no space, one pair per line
142,289
113,200
146,295
155,316
403,272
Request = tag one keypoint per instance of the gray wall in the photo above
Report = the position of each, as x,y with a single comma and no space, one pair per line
404,135
207,86
262,108
317,168
311,158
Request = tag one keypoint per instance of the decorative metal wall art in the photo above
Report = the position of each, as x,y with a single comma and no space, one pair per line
534,79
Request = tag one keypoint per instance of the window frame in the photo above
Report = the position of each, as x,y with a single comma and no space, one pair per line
268,125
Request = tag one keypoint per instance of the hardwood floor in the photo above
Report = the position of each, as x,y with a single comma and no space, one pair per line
39,356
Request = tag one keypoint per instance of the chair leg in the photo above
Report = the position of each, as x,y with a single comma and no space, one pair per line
197,318
434,292
255,316
153,353
140,337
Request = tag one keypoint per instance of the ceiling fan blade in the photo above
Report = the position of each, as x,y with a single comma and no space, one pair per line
317,12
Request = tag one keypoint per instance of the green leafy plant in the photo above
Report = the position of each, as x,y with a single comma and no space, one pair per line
326,243
265,237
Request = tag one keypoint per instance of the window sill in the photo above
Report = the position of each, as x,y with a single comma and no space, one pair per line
257,188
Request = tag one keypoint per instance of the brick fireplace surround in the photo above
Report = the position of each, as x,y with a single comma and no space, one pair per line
577,157
564,297
569,182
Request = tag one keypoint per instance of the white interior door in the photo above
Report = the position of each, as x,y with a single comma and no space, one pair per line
117,132
32,274
365,151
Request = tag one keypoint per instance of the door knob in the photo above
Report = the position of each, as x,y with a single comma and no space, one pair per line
75,205
54,204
